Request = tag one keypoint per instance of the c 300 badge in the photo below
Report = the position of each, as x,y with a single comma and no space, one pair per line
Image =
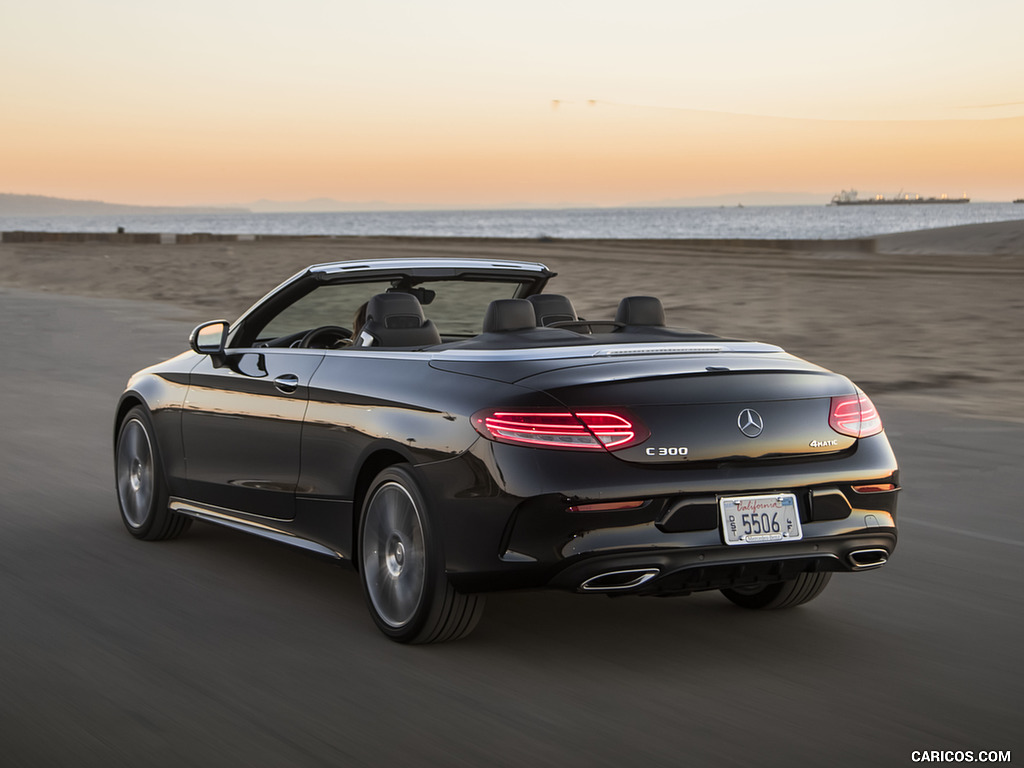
675,450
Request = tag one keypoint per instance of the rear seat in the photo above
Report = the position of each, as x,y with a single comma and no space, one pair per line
512,324
552,308
505,315
645,311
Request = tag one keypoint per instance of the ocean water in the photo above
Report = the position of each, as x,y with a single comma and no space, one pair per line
754,222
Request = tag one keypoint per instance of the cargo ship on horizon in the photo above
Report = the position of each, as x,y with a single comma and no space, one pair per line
849,197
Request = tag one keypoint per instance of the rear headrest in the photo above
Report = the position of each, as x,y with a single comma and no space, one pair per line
509,315
396,320
640,310
552,308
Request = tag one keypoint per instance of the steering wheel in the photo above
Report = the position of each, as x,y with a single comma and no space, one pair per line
325,337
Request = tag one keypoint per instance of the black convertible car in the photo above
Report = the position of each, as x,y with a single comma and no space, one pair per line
449,429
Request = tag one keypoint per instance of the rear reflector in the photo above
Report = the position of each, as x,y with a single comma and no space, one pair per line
607,506
874,488
590,430
854,415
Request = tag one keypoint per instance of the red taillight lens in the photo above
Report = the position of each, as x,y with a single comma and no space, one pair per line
854,415
585,430
614,430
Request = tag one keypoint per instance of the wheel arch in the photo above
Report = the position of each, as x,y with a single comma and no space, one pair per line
128,401
372,466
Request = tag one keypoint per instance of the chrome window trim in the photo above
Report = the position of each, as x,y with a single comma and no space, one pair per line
604,350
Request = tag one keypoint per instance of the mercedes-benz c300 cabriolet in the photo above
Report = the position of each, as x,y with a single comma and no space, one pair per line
449,429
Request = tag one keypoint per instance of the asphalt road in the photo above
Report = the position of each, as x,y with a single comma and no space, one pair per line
224,650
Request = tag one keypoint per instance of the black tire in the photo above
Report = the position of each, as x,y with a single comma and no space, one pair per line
141,485
782,594
401,566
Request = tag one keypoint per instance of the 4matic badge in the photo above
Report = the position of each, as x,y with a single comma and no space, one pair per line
823,443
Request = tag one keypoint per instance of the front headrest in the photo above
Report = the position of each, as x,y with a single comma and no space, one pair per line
509,315
395,310
640,310
552,308
396,320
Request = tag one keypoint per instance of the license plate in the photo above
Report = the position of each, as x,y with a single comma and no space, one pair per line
760,519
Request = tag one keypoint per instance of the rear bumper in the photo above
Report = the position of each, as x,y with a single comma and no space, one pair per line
508,520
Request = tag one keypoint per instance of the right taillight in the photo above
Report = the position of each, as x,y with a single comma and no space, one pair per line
854,415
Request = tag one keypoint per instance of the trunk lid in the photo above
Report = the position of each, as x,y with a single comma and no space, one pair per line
730,410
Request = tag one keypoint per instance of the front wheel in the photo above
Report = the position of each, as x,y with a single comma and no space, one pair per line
402,566
141,487
782,594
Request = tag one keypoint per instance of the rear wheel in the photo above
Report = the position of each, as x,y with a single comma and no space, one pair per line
402,566
141,487
782,594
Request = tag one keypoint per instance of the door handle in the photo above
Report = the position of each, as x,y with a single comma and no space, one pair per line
287,383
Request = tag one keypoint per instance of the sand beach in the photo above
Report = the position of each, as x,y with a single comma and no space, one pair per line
929,320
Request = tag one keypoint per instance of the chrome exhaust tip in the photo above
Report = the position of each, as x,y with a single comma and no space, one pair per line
618,580
862,559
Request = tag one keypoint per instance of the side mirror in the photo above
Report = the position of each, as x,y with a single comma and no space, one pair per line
209,338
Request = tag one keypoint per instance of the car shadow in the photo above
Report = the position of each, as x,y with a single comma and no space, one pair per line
538,622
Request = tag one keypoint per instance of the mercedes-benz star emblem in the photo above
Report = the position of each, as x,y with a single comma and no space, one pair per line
750,422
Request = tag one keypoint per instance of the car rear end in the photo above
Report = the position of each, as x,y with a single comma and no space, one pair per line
669,474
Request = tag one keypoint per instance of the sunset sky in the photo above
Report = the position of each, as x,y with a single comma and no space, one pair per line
467,102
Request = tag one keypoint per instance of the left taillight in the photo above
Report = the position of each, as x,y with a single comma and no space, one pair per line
854,415
605,429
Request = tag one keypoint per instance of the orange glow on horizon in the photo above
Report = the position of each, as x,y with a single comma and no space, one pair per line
538,158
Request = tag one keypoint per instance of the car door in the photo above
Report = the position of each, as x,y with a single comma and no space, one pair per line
242,429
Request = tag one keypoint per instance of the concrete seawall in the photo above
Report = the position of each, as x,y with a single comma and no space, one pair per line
81,237
146,238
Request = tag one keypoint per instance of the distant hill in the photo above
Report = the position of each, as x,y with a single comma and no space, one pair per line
40,205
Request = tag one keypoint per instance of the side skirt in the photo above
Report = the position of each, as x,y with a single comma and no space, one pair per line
232,519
